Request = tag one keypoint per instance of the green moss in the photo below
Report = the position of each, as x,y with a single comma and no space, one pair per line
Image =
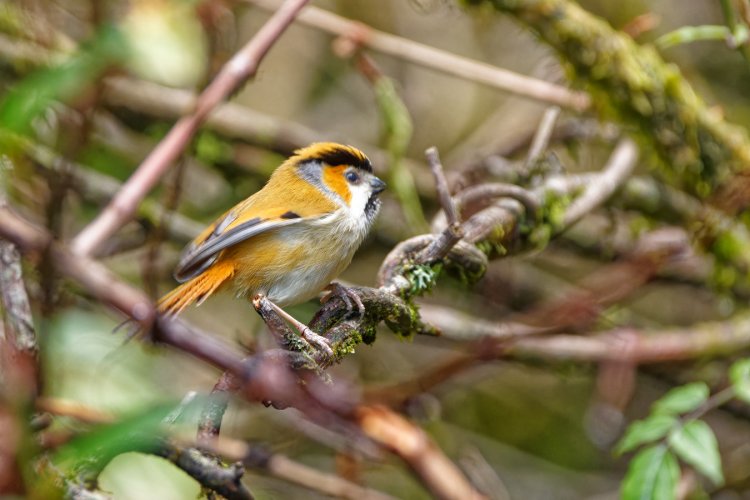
723,277
347,346
368,333
468,277
297,344
550,222
633,85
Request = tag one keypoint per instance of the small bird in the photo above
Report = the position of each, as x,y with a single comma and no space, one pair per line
289,240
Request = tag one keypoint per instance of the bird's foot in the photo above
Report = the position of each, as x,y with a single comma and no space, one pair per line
348,295
315,340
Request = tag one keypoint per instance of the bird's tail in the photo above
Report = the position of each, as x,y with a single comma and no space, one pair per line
196,290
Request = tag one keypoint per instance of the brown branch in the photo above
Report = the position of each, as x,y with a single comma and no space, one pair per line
212,414
618,168
543,134
208,471
409,442
453,233
282,467
242,66
98,188
430,57
579,310
212,474
228,119
19,324
73,409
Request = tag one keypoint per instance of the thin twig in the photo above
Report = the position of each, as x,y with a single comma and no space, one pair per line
231,120
73,409
440,60
241,67
98,187
441,184
282,467
212,414
618,168
543,135
453,233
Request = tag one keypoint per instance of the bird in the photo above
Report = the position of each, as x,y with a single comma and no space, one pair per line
289,240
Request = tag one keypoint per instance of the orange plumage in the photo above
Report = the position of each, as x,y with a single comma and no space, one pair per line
290,239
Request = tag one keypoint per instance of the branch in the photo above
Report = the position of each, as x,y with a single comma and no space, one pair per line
208,471
284,468
264,377
430,57
230,120
443,244
98,188
19,324
699,151
242,66
542,136
640,346
617,170
409,442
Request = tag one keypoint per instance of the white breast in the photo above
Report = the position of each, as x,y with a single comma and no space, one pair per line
329,245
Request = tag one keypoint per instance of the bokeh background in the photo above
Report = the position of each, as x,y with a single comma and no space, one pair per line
538,429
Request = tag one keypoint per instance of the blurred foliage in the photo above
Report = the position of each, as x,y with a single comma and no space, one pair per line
531,423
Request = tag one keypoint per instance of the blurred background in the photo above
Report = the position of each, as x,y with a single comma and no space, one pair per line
533,429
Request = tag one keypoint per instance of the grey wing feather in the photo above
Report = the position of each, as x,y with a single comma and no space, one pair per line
197,258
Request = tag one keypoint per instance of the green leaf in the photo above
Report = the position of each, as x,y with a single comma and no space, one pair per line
682,399
35,93
696,445
652,474
92,451
739,374
645,431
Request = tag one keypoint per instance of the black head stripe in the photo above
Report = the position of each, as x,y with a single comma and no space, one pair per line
343,155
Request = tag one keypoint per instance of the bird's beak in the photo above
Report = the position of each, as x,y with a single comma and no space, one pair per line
377,185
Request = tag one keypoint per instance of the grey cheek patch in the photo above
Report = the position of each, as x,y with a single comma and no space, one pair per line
311,172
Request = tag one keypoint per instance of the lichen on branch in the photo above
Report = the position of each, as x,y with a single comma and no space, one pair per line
631,84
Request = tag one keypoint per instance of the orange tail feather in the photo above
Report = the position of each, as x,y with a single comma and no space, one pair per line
196,290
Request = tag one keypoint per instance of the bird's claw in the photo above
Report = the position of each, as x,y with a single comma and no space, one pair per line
349,296
318,341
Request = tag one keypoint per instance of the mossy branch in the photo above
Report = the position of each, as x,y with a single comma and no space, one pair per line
630,83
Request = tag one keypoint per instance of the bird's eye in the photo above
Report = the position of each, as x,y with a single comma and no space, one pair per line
352,177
